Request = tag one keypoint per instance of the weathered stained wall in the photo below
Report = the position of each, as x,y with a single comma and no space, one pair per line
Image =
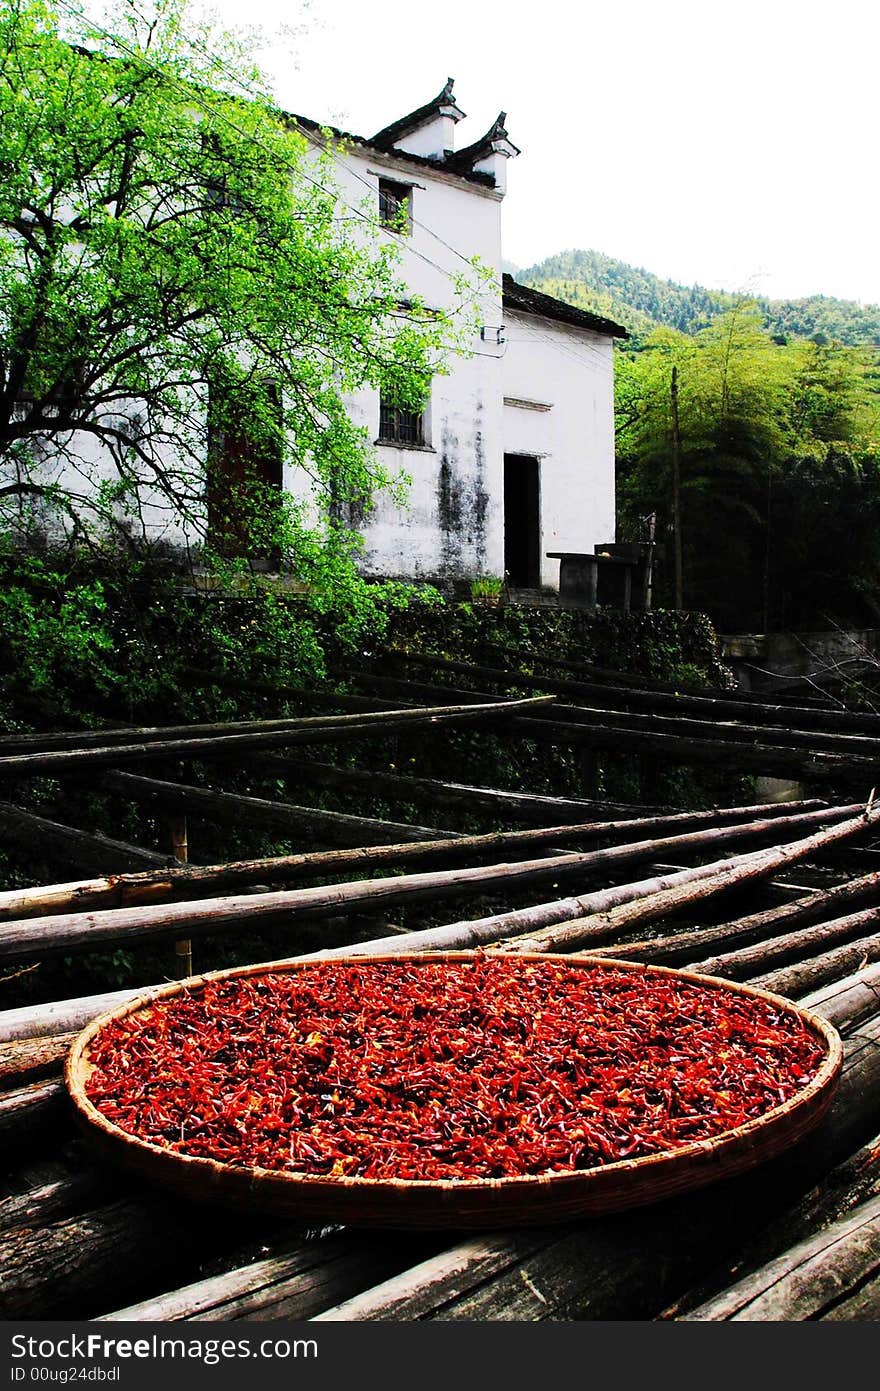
571,371
452,525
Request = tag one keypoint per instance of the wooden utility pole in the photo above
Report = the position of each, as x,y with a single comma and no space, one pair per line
180,848
648,596
676,494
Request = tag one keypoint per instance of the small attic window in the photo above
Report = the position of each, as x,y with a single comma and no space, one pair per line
395,205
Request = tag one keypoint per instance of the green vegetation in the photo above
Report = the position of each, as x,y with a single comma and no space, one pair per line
780,471
173,263
487,588
642,301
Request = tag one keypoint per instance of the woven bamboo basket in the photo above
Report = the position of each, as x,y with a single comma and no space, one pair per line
460,1203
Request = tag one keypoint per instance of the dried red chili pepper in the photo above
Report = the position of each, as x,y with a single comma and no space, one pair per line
474,1069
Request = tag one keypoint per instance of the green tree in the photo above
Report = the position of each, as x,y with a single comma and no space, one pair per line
161,233
779,472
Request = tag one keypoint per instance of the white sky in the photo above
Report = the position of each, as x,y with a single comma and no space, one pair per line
731,145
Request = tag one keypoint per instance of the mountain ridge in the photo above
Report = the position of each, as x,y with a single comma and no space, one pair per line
643,301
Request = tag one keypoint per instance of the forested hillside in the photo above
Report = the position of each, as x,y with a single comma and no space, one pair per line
642,301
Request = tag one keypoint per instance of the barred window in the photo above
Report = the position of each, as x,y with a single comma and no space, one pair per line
395,205
399,426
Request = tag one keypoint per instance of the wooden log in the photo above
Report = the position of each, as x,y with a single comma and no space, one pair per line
63,1016
513,806
740,730
72,1268
198,881
705,727
160,734
340,700
60,763
758,959
48,1202
686,946
806,976
260,811
853,997
745,757
612,676
295,1282
28,1110
843,1188
60,932
183,953
87,851
724,731
32,1060
810,1281
628,697
576,922
630,1265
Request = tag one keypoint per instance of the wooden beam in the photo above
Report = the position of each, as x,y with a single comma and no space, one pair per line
332,826
628,697
514,806
687,945
86,851
574,923
124,890
324,730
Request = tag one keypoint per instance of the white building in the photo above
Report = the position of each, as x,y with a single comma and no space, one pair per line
514,455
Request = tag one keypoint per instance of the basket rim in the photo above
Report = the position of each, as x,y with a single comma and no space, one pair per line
77,1068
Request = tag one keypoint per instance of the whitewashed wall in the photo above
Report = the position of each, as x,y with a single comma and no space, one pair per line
453,523
570,370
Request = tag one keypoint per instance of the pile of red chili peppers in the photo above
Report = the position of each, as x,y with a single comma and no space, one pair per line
446,1070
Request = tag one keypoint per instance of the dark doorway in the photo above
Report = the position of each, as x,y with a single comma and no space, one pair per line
244,474
522,521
